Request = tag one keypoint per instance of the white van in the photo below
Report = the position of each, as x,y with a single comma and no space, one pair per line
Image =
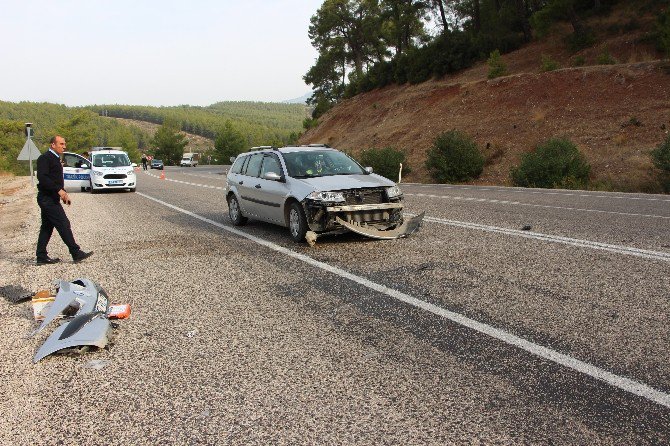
189,160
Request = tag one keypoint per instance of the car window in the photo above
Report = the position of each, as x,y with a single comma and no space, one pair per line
317,163
237,165
254,165
111,160
72,160
271,164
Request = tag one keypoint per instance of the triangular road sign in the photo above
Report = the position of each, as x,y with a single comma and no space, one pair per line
29,151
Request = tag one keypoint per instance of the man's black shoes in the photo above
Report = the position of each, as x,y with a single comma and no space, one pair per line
46,261
81,255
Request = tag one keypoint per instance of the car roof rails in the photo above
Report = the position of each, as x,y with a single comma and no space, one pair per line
318,145
262,148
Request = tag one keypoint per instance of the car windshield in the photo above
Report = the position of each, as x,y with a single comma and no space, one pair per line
157,162
111,160
320,163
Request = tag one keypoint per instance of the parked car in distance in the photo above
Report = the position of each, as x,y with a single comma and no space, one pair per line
76,171
157,164
315,189
111,169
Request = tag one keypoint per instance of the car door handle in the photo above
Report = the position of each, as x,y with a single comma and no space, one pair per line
258,186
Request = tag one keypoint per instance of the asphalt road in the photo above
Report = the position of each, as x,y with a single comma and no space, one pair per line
513,317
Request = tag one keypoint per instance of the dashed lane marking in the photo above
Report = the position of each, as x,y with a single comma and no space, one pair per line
541,192
621,382
518,203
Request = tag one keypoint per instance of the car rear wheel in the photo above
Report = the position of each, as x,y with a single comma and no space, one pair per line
234,212
297,223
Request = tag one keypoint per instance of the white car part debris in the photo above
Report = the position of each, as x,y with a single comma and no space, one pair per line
83,294
90,325
84,329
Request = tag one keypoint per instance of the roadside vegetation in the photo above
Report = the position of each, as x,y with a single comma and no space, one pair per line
454,158
661,159
364,45
82,129
385,162
234,126
556,163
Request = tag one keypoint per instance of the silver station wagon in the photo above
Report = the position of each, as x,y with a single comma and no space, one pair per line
315,190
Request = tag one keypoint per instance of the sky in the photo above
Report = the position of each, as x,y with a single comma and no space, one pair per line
148,52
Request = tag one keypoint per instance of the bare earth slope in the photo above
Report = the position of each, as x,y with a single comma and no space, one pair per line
616,114
596,107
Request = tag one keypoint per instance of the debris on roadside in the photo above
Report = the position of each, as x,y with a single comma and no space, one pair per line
84,307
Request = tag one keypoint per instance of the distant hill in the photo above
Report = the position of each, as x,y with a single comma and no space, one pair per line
263,123
301,100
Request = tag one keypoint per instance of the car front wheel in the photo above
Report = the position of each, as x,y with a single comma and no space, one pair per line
234,212
297,223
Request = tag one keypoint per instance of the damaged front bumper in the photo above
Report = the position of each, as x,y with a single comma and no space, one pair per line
380,220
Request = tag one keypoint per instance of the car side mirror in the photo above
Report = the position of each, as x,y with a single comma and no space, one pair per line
85,166
232,159
272,176
369,169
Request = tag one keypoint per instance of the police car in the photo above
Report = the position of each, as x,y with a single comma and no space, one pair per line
111,169
76,171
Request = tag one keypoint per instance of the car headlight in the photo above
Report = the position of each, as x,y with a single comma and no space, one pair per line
96,173
393,192
131,171
333,197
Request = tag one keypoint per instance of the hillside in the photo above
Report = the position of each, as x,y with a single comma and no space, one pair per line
615,113
196,143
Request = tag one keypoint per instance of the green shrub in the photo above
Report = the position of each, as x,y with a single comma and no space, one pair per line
579,41
578,61
663,32
309,123
661,159
497,67
555,163
385,162
548,64
605,58
454,157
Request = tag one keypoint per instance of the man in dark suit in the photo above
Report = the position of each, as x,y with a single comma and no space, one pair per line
50,192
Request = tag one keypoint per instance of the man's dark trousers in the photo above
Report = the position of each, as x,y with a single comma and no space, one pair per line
53,216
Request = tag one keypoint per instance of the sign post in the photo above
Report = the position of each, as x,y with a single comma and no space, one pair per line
29,151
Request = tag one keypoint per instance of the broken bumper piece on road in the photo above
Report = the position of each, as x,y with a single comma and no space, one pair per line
86,306
408,227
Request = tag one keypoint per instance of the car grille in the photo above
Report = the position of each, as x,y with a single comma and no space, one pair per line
364,196
115,176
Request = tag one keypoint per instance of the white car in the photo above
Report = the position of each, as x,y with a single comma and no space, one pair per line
112,169
315,189
76,171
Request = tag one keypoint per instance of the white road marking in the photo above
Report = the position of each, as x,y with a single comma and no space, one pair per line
518,203
186,182
539,192
621,382
626,250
